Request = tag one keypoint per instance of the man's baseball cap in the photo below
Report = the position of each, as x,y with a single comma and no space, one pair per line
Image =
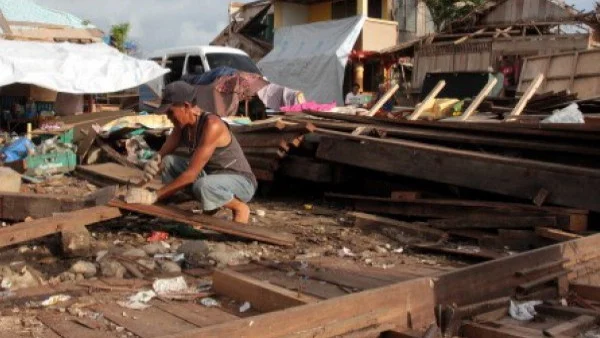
177,92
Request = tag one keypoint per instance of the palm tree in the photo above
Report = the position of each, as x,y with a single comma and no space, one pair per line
118,36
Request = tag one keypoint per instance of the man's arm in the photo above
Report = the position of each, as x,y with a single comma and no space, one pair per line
171,143
214,130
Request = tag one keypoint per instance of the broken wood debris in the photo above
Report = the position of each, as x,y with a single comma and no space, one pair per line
207,222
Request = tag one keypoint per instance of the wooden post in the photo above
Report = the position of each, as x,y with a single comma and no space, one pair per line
432,95
533,87
480,97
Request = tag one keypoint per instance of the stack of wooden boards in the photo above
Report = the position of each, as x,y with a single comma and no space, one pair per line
266,143
473,229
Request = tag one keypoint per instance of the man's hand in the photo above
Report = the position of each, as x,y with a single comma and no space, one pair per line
140,196
152,167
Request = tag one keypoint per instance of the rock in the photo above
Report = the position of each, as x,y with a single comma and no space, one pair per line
67,276
110,268
380,250
10,180
76,242
150,264
87,269
27,277
194,248
155,248
224,255
170,267
135,253
195,253
100,255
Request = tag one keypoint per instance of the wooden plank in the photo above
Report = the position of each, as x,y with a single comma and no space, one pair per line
367,220
19,206
118,173
269,140
542,280
67,327
497,278
555,234
590,292
485,91
148,323
405,195
263,296
113,154
307,168
496,222
23,232
569,312
84,146
569,219
540,268
414,297
345,279
568,185
264,152
430,97
533,87
572,327
260,126
481,253
208,222
195,314
474,330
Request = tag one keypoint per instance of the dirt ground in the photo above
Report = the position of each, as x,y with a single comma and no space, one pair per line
322,231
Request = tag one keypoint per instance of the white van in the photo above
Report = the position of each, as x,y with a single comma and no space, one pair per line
199,59
193,60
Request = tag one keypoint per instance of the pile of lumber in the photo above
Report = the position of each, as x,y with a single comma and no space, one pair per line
266,143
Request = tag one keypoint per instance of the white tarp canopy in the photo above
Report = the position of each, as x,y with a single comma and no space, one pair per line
73,68
313,57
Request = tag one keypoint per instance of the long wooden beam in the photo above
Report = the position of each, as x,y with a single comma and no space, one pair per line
208,222
568,219
19,206
568,185
23,232
407,305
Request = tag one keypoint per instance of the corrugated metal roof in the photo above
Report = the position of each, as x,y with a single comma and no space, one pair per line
30,11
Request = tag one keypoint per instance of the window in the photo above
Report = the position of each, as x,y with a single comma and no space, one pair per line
175,64
343,9
194,65
235,61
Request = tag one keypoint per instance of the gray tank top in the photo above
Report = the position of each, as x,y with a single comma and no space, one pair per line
225,160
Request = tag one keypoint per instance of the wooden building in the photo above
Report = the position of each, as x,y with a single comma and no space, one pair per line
501,32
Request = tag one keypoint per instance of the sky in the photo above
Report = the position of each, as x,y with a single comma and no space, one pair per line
157,24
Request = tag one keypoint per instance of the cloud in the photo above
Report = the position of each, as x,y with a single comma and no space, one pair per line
155,24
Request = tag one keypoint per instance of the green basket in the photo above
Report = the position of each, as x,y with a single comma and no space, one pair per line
51,163
66,137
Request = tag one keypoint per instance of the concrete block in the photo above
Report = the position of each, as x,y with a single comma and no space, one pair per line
10,180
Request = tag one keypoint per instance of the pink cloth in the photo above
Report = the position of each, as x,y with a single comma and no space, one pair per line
311,106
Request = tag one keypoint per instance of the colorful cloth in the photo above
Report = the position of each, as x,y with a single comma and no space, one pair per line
309,106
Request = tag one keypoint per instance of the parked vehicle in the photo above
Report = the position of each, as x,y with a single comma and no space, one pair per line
192,60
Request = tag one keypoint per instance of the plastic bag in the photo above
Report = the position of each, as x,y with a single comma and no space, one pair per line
570,114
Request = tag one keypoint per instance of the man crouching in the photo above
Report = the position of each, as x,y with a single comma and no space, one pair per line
215,167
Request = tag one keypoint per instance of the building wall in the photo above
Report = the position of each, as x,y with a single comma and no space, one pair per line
319,12
480,55
289,14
